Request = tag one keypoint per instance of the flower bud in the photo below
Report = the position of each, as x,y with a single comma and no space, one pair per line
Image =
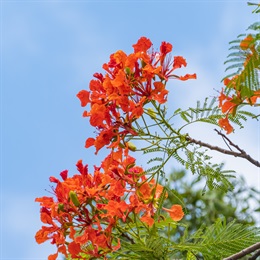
74,198
151,113
131,146
60,207
127,70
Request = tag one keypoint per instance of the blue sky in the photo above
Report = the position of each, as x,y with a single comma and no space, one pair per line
50,50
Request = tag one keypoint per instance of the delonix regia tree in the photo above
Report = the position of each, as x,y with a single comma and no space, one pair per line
121,210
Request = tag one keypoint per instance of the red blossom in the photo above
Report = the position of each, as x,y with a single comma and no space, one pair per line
224,123
83,95
176,212
87,207
117,98
188,76
178,62
142,45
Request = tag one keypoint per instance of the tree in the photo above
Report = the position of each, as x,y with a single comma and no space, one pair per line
122,210
205,208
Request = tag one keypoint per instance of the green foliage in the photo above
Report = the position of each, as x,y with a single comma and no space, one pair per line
228,224
220,240
257,9
173,142
207,207
211,113
245,64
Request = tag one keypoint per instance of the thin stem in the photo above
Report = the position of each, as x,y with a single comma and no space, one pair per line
244,252
163,119
241,154
146,125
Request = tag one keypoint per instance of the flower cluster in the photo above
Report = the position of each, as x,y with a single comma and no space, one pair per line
87,212
88,207
117,98
229,104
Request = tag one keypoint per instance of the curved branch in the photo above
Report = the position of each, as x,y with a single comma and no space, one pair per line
244,252
255,255
241,152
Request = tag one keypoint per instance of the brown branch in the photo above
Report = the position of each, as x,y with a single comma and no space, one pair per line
244,252
241,152
127,237
230,142
255,255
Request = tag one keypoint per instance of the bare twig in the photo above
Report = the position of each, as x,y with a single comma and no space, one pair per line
241,152
128,238
230,142
244,252
255,255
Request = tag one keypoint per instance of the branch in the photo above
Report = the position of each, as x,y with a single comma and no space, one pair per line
230,142
254,256
244,252
128,238
241,152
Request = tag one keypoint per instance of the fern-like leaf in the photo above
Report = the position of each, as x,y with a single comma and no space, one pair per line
221,240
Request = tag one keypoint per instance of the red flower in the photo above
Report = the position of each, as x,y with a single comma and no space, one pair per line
247,43
86,209
176,212
178,62
83,95
131,81
188,76
146,218
142,45
226,103
74,249
165,48
224,123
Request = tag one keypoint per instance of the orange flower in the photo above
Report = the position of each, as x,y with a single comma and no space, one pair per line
142,45
228,106
176,212
74,249
130,82
225,103
120,57
149,191
83,95
178,62
165,48
46,218
45,201
247,43
53,257
252,100
89,142
146,218
116,209
87,208
65,219
104,138
224,123
226,82
188,76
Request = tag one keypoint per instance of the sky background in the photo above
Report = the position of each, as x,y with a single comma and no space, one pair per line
49,52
